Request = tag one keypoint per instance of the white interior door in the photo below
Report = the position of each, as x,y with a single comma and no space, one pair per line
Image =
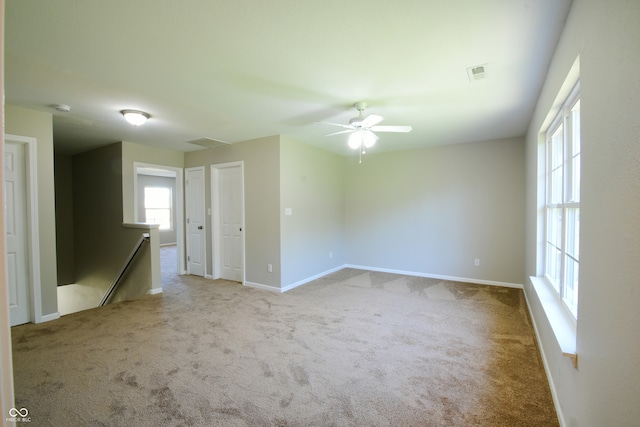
231,227
195,221
15,211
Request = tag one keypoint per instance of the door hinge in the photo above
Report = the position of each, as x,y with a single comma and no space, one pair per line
188,258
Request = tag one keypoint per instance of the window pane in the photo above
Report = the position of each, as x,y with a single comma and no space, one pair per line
159,216
554,226
157,197
570,294
553,266
575,152
557,148
573,233
157,203
556,185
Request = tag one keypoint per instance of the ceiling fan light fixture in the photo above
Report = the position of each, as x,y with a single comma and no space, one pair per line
135,117
361,138
369,138
355,140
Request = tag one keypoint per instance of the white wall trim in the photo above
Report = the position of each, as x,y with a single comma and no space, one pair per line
50,317
310,279
154,291
438,276
545,363
383,270
261,286
33,230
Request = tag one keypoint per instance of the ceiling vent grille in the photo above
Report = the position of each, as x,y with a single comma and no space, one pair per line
207,142
477,72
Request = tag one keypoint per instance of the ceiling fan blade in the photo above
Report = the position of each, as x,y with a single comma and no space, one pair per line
339,132
338,124
371,120
391,128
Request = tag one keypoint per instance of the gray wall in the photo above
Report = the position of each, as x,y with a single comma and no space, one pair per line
312,185
65,251
434,211
262,203
23,122
102,244
604,389
167,237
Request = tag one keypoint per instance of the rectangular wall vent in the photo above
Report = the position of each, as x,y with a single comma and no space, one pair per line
477,72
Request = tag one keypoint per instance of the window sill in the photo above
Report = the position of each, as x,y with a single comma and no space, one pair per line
561,321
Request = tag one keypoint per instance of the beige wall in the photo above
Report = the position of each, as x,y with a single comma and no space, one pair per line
23,122
312,185
604,389
434,211
261,159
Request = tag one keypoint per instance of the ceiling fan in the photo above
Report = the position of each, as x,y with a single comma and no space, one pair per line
362,128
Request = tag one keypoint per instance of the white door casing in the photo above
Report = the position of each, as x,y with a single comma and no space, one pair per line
15,210
21,229
227,197
196,248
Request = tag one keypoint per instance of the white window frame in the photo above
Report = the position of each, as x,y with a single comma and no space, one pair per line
568,200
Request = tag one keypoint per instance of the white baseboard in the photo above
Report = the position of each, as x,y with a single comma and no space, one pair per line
545,363
154,291
437,276
48,317
292,285
261,286
383,270
310,279
209,276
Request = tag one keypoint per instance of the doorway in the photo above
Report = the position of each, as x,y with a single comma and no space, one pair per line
164,203
227,200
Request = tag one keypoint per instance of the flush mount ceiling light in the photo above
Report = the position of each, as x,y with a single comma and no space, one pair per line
135,117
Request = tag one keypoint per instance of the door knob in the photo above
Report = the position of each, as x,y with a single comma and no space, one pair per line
199,227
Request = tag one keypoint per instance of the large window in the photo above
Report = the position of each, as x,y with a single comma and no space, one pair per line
562,202
157,206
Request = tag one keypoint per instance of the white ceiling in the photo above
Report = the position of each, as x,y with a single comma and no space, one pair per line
234,70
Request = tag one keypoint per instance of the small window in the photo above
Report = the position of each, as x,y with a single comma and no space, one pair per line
562,202
157,206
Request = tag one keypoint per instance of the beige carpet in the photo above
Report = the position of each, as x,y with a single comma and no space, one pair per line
355,348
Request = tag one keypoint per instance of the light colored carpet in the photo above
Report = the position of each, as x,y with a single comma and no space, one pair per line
354,348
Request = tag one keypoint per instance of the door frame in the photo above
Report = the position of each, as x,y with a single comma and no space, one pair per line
33,231
204,222
178,207
216,217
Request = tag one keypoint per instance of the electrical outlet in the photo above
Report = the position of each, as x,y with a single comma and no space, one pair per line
269,268
330,254
477,262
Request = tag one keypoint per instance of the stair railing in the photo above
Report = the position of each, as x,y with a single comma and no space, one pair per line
116,282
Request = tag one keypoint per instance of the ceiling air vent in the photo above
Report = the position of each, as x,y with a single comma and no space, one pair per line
207,142
478,72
